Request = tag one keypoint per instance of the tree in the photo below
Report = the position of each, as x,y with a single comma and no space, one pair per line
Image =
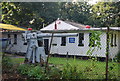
103,14
12,13
78,12
38,13
29,14
116,16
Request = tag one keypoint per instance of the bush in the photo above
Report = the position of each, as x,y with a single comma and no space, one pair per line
24,69
71,72
54,73
38,72
7,64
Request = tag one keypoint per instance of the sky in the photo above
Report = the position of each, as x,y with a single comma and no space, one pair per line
92,1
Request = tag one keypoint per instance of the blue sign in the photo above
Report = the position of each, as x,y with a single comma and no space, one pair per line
71,40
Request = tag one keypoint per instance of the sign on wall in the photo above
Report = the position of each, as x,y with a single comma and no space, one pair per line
71,40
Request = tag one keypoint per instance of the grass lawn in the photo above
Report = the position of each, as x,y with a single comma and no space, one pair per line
17,60
91,69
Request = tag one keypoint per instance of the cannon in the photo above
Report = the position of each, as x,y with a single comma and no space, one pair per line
35,51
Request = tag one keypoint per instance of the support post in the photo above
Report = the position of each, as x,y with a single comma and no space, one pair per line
46,66
67,56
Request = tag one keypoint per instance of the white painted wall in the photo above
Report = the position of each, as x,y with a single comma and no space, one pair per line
19,47
71,48
119,41
114,50
74,49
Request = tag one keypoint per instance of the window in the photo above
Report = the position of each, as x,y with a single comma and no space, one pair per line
115,41
15,38
63,41
81,38
91,41
9,38
112,40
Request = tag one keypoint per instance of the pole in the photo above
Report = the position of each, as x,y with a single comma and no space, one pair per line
107,52
49,52
67,56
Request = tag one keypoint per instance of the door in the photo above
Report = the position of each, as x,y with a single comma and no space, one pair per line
46,46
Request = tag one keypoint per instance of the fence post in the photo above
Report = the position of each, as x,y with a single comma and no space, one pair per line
46,66
67,56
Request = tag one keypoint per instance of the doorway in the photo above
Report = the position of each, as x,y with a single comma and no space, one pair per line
46,46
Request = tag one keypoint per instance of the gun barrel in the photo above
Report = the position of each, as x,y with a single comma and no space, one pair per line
56,35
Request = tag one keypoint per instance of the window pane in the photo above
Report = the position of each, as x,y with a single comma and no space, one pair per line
115,40
9,38
15,38
111,39
81,38
63,41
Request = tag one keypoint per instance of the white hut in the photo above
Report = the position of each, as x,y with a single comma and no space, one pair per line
79,45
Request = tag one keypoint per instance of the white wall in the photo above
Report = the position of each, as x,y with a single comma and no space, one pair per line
19,47
74,49
71,48
114,50
119,40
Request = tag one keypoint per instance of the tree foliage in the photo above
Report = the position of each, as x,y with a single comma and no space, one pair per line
105,14
29,14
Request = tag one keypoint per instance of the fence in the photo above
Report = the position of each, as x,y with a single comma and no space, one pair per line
80,66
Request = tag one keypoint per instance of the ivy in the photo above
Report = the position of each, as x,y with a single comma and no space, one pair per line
95,43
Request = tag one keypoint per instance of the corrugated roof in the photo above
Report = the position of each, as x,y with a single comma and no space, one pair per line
76,24
71,27
61,25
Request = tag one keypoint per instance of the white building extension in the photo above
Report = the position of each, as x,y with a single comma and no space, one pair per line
15,43
79,45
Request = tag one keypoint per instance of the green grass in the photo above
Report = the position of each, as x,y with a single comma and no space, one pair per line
17,60
93,69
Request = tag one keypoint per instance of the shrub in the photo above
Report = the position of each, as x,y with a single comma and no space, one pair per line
71,72
37,72
7,64
24,69
54,73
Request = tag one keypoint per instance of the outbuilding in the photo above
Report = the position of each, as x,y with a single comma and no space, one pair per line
13,34
79,45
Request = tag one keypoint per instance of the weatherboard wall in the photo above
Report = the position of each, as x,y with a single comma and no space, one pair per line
18,47
74,49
